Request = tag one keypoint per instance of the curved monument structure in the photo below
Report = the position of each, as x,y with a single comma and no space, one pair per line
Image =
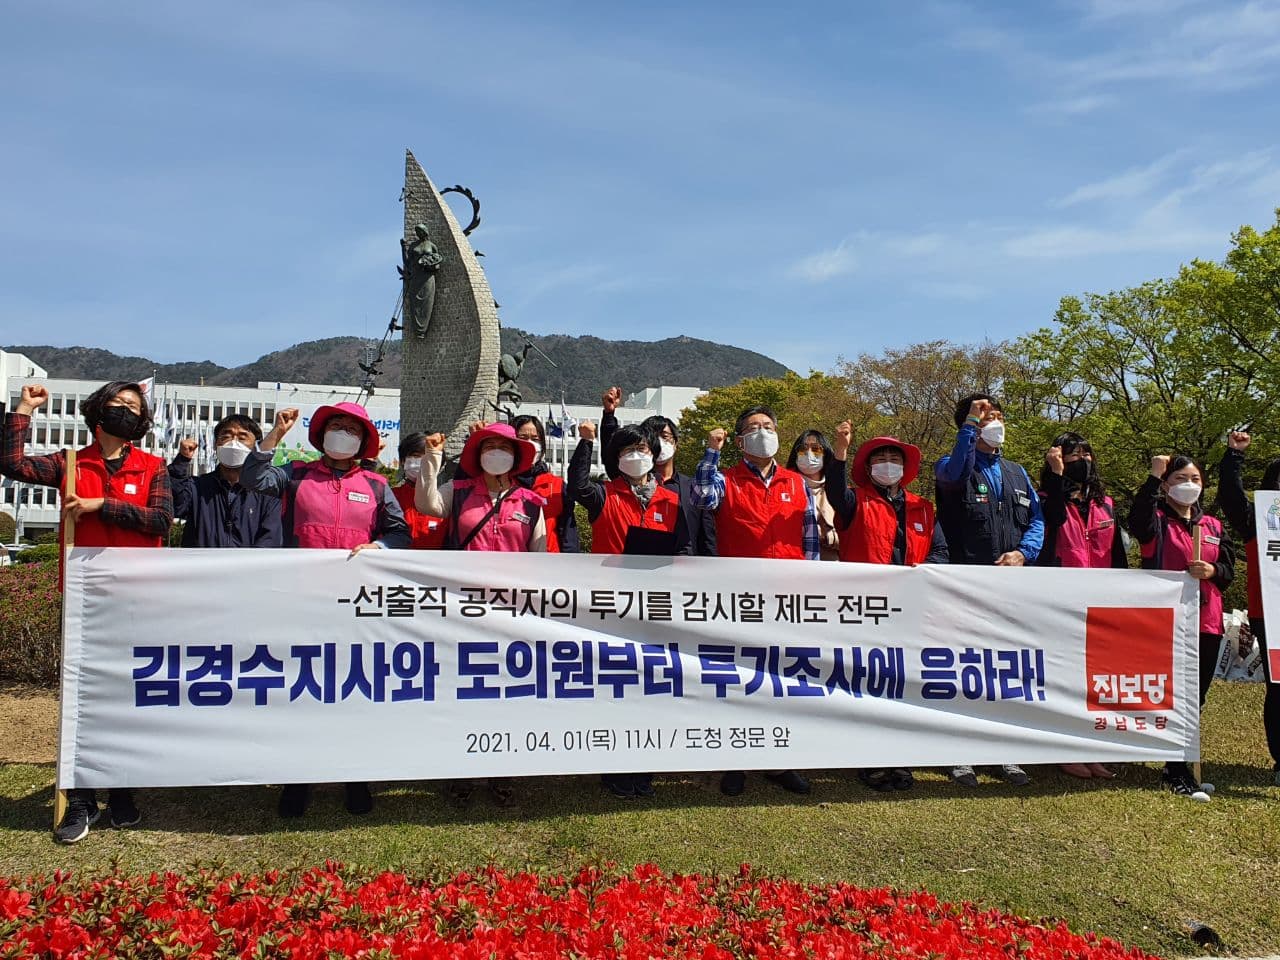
451,342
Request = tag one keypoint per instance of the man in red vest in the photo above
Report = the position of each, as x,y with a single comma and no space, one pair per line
762,510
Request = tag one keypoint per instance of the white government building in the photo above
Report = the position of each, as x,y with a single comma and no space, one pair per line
191,410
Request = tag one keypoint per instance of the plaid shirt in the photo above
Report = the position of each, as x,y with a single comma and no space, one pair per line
47,470
708,493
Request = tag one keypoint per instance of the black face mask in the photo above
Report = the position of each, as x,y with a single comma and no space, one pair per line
123,423
1078,471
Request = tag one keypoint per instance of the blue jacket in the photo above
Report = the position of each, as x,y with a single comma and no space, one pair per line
987,505
220,515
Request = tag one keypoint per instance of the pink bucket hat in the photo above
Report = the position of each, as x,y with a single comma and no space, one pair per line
323,415
470,459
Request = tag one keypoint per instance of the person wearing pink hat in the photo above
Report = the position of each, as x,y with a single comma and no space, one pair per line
880,521
487,509
332,503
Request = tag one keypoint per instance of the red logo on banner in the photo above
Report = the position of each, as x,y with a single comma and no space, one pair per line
1274,657
1128,658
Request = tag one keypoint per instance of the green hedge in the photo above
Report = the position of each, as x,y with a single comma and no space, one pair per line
30,622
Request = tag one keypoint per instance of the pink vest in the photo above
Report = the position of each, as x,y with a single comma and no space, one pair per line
1089,544
507,531
1176,549
331,512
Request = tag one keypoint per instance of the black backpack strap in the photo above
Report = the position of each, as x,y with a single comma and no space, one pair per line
497,504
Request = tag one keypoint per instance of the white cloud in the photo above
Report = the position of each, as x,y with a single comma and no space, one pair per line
826,264
1072,106
1133,182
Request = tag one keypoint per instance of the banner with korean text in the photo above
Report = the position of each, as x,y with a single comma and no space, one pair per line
190,667
1266,505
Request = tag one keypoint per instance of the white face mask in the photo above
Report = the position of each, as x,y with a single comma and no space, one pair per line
810,464
342,444
497,462
232,454
666,450
760,443
1184,493
537,449
635,464
993,433
886,474
412,468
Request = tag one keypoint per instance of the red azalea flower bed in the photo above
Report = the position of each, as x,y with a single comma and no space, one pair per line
328,912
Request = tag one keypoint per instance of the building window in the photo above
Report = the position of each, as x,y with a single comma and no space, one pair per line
55,406
204,411
71,406
84,437
40,436
269,414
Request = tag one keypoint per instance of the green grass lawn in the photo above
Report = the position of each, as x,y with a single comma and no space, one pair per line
1125,859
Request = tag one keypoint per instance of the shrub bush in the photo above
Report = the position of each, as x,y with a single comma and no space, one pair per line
44,553
30,623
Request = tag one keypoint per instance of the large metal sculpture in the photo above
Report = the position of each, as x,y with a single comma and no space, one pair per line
451,342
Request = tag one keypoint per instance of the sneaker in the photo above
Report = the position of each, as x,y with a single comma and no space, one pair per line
1014,774
642,783
82,813
1182,784
619,785
1207,787
123,811
733,783
902,778
293,800
964,776
502,791
790,781
359,799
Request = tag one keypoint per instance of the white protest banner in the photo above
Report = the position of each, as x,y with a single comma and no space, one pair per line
190,667
1266,506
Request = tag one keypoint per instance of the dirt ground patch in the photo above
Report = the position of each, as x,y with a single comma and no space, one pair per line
28,724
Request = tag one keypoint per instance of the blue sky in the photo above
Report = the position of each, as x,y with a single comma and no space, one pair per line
218,181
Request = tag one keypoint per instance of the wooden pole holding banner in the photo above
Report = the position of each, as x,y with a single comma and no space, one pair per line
68,542
1197,543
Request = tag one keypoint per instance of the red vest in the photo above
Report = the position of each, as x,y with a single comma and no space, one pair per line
427,531
131,483
1176,550
759,521
869,538
1082,544
551,488
622,512
1253,581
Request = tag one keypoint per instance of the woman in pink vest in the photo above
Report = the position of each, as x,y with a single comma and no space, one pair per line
1080,529
332,503
488,509
1169,523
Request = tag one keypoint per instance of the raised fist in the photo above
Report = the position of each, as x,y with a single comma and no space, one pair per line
285,419
475,426
611,399
1239,440
33,398
586,430
843,439
716,438
1053,460
978,409
1159,464
187,447
435,441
